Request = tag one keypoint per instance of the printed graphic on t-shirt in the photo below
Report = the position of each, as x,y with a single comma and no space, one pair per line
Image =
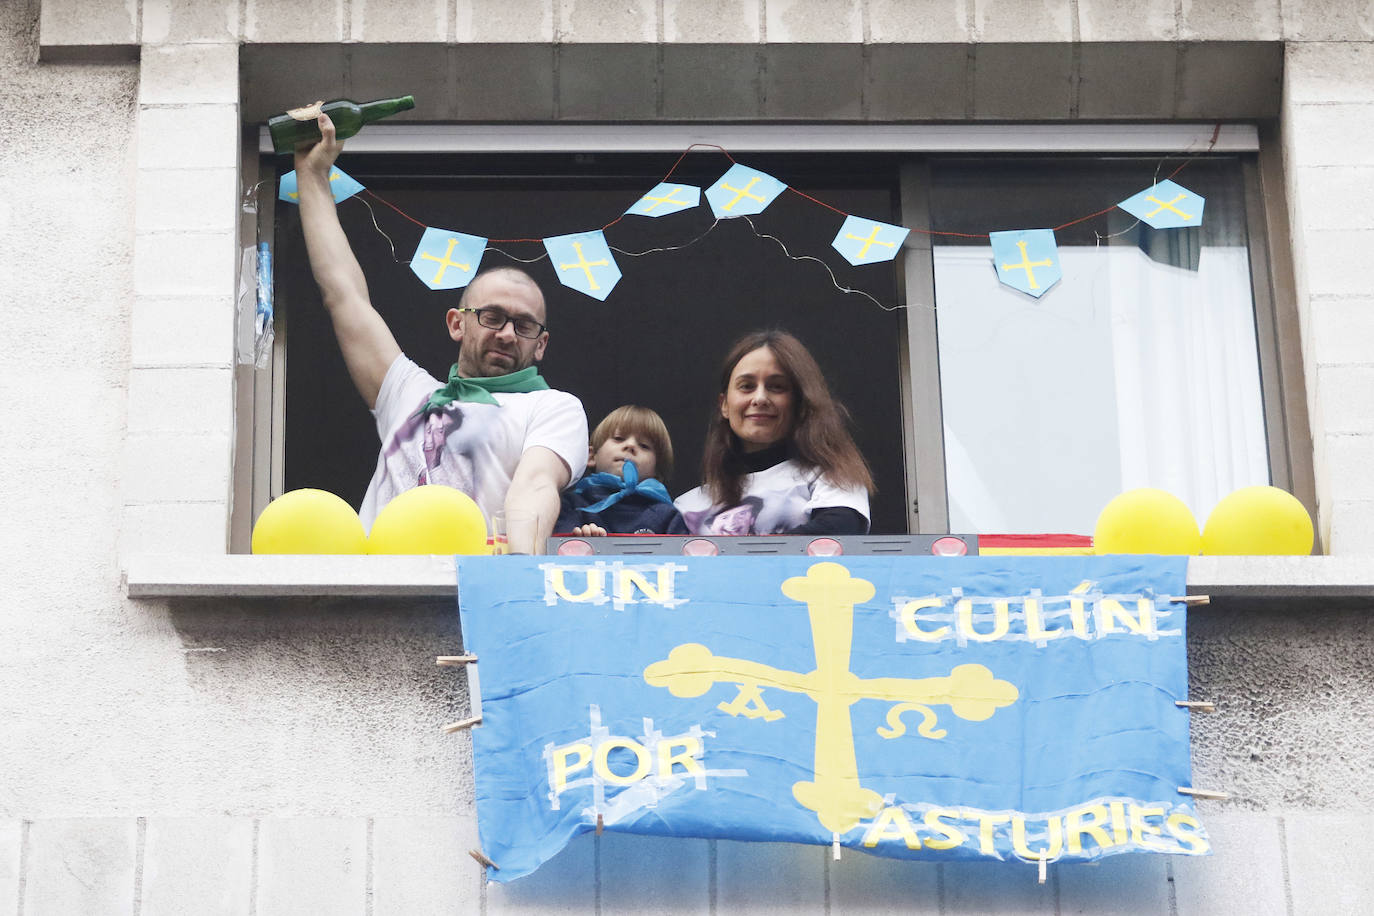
473,447
450,440
735,520
777,500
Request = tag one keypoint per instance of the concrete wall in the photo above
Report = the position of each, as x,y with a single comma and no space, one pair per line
236,755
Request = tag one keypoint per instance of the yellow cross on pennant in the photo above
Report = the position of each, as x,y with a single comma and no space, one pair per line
1161,206
584,264
1167,206
1027,265
835,793
669,198
742,193
295,195
444,262
868,242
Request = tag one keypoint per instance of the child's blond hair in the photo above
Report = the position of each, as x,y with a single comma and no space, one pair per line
645,425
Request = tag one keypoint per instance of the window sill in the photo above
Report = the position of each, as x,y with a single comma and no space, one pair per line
174,576
244,575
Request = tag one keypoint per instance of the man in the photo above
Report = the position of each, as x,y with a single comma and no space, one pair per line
496,431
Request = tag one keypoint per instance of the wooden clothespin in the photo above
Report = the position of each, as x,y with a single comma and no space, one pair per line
1190,599
600,823
462,724
481,857
454,659
1203,793
1198,705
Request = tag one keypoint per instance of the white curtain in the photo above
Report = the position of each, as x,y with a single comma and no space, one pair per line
1189,411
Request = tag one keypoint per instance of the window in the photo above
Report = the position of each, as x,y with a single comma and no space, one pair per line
1140,368
659,338
980,408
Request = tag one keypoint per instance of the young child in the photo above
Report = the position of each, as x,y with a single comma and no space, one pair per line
620,494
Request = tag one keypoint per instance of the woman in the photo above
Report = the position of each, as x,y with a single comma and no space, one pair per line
779,458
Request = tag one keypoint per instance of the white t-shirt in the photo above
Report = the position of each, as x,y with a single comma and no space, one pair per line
472,447
776,499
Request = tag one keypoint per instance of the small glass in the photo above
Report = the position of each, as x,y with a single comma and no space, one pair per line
514,532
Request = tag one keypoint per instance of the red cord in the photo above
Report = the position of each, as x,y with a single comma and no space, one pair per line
1216,134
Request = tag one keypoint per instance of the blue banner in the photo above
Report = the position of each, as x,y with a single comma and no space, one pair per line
914,707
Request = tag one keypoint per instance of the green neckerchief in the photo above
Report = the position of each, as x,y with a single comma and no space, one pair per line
479,390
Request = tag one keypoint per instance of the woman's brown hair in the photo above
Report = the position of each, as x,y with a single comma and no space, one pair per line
819,440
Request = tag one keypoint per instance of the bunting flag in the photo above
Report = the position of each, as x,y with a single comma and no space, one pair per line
1020,709
341,183
447,260
743,191
866,241
1166,206
584,262
1026,259
665,199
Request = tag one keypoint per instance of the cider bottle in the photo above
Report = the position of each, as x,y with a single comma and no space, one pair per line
299,125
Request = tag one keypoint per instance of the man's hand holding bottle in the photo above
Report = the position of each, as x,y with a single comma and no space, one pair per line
316,158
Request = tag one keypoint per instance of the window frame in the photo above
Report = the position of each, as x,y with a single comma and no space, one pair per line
260,434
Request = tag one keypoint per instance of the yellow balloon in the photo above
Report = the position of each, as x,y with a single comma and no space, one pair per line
1258,521
309,521
1146,521
429,519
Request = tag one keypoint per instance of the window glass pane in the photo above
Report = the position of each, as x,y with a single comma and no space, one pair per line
1139,368
659,337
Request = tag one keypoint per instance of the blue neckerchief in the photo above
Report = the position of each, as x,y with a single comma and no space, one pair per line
622,487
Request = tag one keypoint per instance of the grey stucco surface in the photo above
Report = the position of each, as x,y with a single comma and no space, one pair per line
66,180
1294,686
132,708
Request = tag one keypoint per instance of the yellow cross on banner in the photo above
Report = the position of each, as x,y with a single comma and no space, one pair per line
585,265
830,593
444,262
1027,264
868,242
1167,206
741,193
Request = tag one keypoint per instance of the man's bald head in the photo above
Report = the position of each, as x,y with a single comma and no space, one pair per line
514,275
500,292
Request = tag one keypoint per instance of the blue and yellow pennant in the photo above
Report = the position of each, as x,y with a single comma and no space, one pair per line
665,199
867,241
447,260
584,262
1026,259
341,184
1166,206
743,191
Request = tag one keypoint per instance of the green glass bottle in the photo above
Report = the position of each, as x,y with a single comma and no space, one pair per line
299,125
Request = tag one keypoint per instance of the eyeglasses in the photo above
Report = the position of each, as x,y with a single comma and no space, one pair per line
495,319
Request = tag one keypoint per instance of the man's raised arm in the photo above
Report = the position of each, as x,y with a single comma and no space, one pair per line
368,347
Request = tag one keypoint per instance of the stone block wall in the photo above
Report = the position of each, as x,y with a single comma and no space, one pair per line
1328,109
